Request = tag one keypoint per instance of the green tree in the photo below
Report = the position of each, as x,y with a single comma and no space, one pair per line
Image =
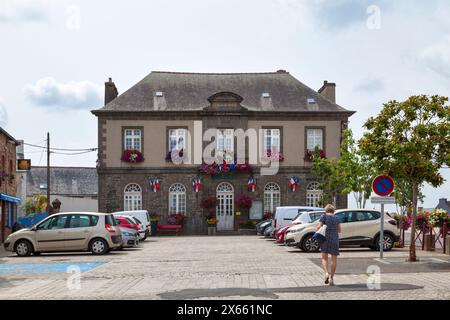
410,141
331,177
358,170
403,196
36,204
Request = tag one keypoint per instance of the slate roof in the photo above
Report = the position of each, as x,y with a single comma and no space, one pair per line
189,91
73,181
444,204
10,137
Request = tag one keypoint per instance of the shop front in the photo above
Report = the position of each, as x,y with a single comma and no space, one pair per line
8,214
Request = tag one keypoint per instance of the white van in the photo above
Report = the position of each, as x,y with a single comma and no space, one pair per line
285,215
141,215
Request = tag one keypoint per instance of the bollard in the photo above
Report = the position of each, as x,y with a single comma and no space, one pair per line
447,246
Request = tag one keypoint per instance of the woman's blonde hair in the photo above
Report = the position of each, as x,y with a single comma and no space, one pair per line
329,208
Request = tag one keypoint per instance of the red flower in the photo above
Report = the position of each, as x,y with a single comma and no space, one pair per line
132,156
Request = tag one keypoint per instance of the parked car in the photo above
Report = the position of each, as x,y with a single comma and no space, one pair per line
261,227
130,238
127,222
359,227
302,217
268,231
143,216
142,228
69,231
285,215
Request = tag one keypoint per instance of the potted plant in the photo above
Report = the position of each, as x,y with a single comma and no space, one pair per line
212,223
154,218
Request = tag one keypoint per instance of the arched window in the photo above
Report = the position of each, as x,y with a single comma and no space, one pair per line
272,196
132,197
177,199
313,194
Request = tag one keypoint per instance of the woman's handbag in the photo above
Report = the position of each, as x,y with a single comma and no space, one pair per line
320,234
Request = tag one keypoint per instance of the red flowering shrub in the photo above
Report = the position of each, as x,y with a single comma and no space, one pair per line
310,154
268,215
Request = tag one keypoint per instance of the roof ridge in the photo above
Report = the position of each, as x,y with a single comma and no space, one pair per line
221,73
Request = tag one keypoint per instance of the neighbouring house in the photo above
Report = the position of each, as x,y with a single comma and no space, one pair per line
166,114
444,204
8,199
75,187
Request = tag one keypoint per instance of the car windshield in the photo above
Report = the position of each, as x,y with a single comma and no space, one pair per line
137,220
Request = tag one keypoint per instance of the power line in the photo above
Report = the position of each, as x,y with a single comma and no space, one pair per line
60,149
72,154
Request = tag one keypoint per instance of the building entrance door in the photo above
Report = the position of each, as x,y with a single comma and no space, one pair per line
225,207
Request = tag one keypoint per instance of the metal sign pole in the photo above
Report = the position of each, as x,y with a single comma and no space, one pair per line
382,231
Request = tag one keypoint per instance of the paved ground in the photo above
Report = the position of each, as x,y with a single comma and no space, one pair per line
229,267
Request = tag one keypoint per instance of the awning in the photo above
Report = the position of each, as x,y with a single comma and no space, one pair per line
5,197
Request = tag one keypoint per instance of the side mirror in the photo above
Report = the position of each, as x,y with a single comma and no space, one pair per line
34,228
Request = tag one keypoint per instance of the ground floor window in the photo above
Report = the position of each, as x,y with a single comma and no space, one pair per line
177,199
313,194
272,196
132,197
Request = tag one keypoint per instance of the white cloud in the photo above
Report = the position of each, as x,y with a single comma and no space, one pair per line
3,113
18,11
47,92
437,57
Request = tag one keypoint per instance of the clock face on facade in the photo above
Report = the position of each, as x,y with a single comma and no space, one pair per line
23,164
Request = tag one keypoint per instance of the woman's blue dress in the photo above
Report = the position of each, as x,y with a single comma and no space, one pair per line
331,243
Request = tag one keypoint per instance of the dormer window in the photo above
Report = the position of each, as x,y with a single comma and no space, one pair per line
159,94
311,101
266,95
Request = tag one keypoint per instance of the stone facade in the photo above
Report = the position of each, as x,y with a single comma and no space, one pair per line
8,185
217,106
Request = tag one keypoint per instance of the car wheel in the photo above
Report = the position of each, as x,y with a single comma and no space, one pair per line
23,248
388,242
310,245
98,246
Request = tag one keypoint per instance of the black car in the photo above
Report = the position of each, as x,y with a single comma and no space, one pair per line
261,226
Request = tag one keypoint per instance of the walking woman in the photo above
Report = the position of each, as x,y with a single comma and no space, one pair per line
330,246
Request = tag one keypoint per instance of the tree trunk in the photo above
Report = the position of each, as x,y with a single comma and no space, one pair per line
412,246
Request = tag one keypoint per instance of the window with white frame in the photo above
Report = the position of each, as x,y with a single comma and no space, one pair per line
177,139
132,197
272,139
313,194
177,199
272,196
314,137
133,139
225,143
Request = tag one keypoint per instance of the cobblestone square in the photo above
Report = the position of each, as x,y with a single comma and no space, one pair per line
218,267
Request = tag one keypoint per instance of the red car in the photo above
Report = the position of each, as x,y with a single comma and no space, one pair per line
281,232
126,222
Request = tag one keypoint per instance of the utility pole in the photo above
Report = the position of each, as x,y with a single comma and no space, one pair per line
48,173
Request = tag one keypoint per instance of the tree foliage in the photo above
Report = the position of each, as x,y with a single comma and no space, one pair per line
410,141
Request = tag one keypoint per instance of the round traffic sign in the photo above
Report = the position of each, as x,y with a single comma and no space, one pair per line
383,185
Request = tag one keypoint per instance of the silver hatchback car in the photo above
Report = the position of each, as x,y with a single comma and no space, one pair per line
68,231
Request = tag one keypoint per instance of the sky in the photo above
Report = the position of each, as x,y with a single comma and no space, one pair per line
55,56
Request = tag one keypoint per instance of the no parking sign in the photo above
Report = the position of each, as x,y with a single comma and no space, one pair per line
383,186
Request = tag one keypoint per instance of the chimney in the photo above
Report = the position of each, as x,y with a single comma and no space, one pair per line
328,91
110,91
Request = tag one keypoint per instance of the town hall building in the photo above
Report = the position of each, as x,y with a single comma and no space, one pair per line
143,132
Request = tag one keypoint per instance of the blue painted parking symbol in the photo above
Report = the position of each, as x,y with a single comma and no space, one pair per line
42,268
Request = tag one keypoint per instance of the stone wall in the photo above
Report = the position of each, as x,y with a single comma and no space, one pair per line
115,181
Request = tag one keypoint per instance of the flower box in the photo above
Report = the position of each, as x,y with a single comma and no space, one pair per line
309,154
132,156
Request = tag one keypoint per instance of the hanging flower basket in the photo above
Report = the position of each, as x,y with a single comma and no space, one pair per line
244,202
132,156
208,202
